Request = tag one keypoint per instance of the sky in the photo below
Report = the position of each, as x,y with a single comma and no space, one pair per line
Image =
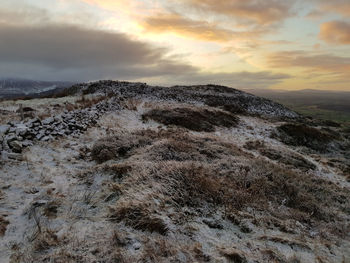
245,44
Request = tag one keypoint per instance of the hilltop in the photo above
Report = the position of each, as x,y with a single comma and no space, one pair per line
115,171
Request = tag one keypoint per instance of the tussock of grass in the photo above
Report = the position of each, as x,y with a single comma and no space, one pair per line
283,157
194,119
118,146
204,172
303,135
139,217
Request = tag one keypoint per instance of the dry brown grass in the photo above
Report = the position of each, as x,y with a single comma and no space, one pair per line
119,146
130,104
138,216
303,135
234,255
45,240
84,102
163,145
195,119
3,225
193,171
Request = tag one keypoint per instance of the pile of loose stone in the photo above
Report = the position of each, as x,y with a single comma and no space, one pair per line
14,137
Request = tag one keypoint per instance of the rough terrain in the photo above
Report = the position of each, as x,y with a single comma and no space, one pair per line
126,172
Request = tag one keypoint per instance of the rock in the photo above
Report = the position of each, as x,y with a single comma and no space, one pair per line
27,143
21,129
9,138
13,156
40,135
11,123
12,129
246,226
33,122
48,121
45,138
4,129
16,146
213,223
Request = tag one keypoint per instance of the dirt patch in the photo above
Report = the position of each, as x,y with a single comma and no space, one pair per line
192,119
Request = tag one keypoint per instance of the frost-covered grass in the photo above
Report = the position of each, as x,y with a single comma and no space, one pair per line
163,193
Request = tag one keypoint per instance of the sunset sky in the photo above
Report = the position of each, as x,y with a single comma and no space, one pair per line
279,44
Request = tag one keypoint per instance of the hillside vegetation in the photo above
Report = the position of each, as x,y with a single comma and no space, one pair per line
126,172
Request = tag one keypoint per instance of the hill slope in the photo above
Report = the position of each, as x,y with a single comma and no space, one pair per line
126,172
13,88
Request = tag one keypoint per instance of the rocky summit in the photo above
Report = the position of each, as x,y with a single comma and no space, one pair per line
115,171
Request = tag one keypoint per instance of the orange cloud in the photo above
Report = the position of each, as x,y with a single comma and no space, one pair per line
202,30
338,6
299,59
336,32
258,11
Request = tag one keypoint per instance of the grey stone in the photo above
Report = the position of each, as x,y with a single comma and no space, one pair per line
213,223
33,122
12,130
11,123
13,156
48,121
21,129
40,135
10,137
27,143
4,129
46,138
16,146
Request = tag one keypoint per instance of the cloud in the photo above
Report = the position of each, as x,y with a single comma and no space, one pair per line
335,32
64,47
338,6
67,52
201,30
261,12
35,45
238,80
300,59
23,15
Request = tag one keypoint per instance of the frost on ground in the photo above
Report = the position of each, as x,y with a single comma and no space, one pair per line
178,177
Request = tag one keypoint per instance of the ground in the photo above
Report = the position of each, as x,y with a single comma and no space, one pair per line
134,188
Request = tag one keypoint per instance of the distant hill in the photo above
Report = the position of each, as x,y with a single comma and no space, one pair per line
14,87
333,105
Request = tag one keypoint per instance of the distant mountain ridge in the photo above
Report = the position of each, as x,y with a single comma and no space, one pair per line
16,87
